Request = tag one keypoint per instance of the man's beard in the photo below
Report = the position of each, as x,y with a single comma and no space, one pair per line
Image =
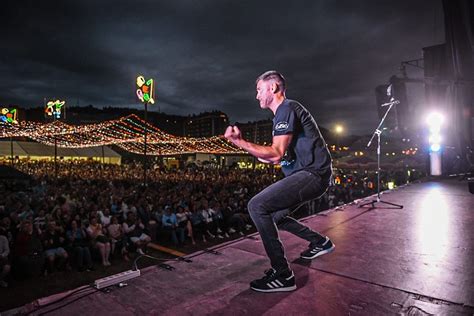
266,102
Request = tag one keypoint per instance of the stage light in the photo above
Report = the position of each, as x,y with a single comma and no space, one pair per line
434,121
435,139
435,147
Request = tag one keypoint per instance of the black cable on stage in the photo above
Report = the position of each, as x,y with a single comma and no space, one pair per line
135,266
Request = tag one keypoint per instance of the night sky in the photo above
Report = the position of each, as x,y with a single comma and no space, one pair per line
206,54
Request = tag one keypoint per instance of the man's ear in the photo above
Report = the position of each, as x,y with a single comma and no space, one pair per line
274,88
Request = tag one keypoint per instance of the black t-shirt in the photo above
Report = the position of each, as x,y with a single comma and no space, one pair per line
307,150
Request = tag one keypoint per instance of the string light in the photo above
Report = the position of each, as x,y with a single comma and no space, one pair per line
126,132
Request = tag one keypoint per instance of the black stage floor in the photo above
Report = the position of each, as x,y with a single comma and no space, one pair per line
417,261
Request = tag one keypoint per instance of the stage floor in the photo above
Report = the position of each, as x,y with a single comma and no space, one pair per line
417,260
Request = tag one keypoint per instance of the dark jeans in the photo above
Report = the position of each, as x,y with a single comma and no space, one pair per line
83,257
236,221
272,205
199,229
175,232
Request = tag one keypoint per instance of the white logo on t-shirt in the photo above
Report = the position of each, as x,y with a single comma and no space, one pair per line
281,126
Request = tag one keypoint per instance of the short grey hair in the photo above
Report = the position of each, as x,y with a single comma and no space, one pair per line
273,75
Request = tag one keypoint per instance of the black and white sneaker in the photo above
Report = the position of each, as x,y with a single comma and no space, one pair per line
318,250
274,281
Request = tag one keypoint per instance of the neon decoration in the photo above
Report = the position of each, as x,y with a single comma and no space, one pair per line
8,116
145,91
53,109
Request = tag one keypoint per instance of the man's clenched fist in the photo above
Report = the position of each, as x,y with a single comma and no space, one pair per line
233,134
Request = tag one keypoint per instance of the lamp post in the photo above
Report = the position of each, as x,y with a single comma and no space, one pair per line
9,116
145,93
339,129
54,109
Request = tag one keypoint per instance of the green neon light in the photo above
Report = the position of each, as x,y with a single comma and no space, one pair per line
8,116
145,91
53,108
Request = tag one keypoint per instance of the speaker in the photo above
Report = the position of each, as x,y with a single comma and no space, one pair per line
399,92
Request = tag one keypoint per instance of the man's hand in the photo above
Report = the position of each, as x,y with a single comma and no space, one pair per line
233,134
267,154
267,161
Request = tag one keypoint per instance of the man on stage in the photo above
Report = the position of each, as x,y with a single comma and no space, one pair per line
300,149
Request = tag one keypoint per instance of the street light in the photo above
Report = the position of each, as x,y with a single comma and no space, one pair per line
338,129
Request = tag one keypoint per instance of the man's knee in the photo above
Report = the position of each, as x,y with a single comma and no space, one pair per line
255,205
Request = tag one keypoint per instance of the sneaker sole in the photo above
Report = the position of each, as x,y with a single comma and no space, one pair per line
282,289
321,253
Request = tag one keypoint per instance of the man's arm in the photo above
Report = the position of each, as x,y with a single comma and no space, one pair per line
272,154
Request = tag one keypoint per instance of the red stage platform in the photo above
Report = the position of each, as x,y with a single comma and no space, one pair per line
418,260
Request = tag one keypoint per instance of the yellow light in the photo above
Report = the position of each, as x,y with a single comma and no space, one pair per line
338,129
126,132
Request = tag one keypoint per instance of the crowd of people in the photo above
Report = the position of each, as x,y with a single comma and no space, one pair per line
92,213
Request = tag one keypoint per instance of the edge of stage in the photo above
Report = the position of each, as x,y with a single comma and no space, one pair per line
417,260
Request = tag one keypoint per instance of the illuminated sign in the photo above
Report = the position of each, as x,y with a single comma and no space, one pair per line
8,116
54,109
145,91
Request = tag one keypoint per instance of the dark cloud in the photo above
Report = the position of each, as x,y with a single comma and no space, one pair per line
206,54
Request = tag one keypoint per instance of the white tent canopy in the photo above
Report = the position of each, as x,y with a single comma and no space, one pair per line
37,151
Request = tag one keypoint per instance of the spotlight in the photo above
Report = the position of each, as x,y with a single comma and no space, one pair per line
435,121
435,147
435,139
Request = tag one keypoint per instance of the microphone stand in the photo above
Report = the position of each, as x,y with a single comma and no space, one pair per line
378,132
